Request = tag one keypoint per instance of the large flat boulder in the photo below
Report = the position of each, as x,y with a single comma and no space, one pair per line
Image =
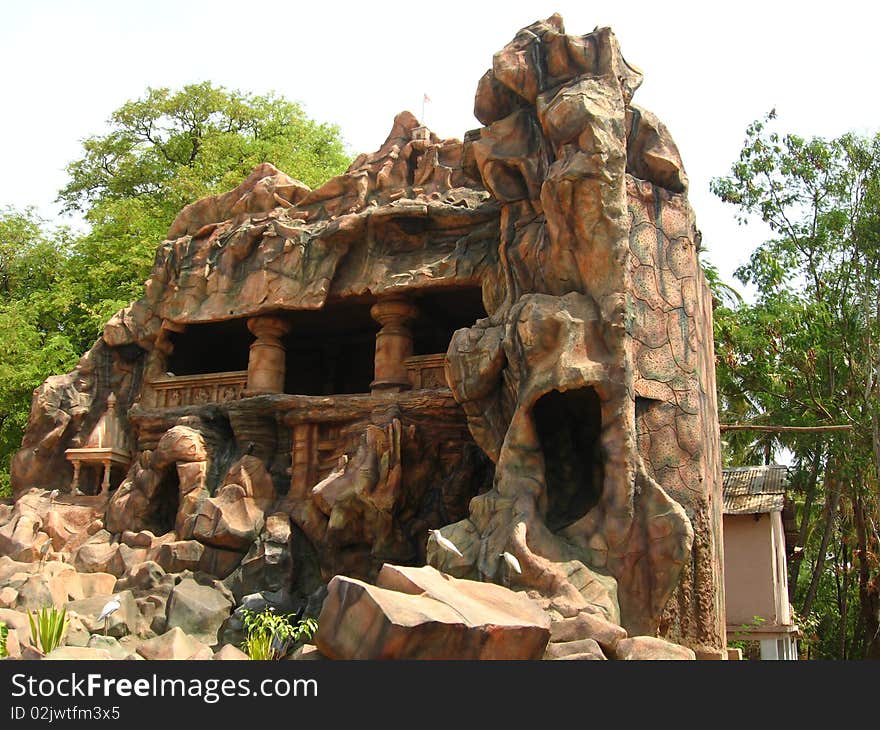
651,648
421,613
126,620
174,644
197,609
68,653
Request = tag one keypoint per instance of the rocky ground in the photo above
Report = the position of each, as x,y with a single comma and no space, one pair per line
169,611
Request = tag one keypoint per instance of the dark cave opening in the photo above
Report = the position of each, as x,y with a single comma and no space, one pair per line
441,313
167,501
213,347
569,427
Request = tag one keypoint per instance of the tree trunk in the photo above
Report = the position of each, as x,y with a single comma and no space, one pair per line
869,600
804,529
831,505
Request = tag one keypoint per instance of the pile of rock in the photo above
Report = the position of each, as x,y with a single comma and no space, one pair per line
161,615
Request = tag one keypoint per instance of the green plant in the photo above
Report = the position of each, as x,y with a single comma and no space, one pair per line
747,646
4,632
48,627
270,635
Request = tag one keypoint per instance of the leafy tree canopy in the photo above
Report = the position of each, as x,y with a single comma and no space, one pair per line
159,153
806,353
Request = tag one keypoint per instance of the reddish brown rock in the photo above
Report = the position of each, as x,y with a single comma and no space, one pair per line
228,652
588,626
649,647
174,644
508,339
581,649
423,614
124,621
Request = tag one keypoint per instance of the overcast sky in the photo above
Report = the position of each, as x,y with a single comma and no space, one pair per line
710,69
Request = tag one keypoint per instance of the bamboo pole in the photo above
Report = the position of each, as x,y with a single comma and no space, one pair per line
781,429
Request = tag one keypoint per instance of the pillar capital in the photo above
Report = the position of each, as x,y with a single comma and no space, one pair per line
267,327
394,309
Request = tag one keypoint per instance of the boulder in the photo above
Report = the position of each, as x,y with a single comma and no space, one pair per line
34,593
66,653
18,537
197,609
146,577
173,644
65,586
230,652
126,620
95,556
649,647
126,558
307,653
108,644
579,649
256,482
420,613
8,597
17,622
97,584
231,520
77,634
175,557
588,626
142,539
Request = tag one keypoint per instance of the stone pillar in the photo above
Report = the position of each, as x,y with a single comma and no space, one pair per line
266,366
394,343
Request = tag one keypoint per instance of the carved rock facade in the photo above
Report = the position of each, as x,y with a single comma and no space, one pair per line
507,338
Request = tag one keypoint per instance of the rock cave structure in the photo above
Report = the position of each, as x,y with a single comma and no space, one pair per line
507,338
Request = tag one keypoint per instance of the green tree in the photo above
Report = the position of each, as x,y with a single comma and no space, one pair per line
806,353
162,152
35,334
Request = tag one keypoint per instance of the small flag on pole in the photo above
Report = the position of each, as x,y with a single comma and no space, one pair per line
425,100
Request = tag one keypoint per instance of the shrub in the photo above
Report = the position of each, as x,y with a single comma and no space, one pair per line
271,635
48,627
4,632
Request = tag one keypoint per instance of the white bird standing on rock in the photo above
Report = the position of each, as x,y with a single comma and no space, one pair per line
109,608
511,561
443,542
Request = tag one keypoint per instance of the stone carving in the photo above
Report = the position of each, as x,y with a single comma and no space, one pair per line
506,338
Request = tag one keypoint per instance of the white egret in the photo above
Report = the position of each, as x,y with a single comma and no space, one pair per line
443,542
109,608
511,561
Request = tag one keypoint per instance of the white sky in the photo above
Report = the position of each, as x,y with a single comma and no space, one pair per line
710,69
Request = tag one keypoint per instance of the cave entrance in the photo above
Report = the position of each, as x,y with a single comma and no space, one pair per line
213,347
330,351
569,426
442,311
167,501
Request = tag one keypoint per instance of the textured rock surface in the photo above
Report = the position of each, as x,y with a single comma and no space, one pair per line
126,620
418,613
506,338
228,652
174,644
197,609
651,648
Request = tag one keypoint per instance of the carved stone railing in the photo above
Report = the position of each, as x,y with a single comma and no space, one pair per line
427,371
194,390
